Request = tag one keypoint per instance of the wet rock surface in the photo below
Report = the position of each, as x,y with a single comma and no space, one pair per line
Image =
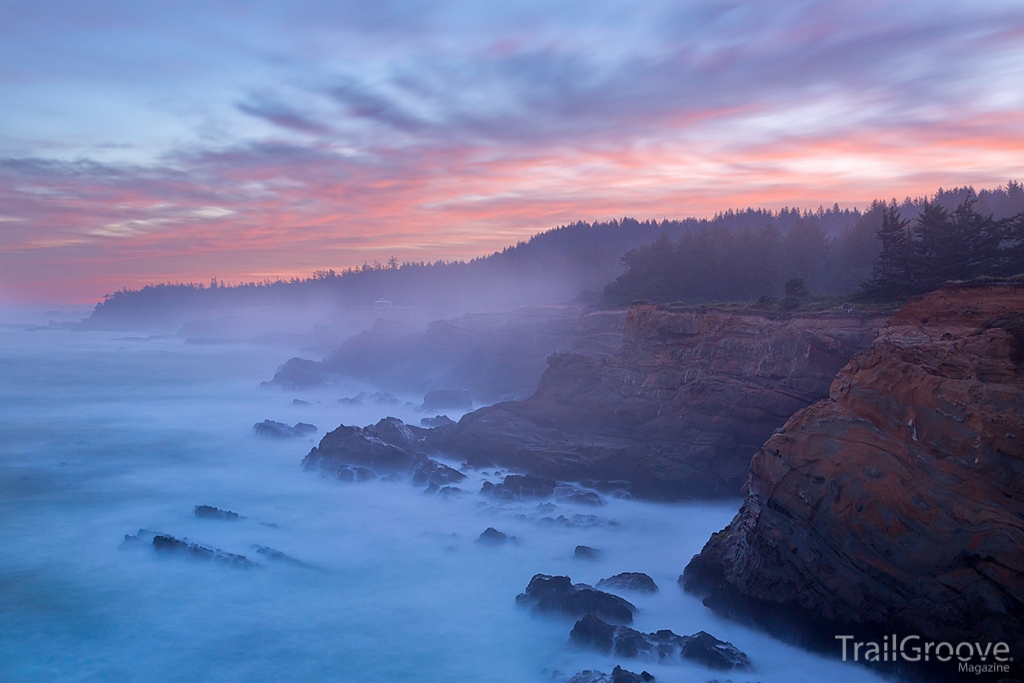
210,512
594,633
676,413
896,504
558,595
280,430
629,581
389,448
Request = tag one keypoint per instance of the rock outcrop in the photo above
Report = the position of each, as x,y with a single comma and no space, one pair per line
492,356
677,412
594,633
389,448
896,505
559,595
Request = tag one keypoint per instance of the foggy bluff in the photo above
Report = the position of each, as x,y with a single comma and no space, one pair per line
670,400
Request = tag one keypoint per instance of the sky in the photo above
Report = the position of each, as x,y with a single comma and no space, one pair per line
157,141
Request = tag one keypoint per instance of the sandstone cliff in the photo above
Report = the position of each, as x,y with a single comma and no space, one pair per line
897,504
677,411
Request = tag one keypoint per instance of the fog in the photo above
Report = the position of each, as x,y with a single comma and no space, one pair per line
102,435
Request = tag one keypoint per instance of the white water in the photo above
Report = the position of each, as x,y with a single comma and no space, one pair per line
101,436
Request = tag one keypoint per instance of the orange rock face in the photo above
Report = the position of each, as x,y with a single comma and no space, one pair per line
896,504
678,411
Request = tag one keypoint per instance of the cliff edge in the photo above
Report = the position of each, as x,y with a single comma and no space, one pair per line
896,505
677,411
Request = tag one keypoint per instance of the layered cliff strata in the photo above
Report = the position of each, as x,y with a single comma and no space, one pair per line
896,505
677,411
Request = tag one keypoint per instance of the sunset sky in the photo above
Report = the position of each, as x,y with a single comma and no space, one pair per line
144,142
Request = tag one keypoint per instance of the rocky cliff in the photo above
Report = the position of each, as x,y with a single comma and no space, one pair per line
677,411
896,505
493,356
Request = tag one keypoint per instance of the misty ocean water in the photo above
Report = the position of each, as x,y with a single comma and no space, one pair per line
102,435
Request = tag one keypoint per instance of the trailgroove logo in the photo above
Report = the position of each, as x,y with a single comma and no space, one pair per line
974,658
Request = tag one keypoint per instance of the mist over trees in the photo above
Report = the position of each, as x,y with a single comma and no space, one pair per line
889,251
733,256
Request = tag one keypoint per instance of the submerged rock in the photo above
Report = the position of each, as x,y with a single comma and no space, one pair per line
594,633
277,556
630,581
519,487
447,398
210,512
897,501
618,675
280,430
583,498
170,545
585,552
492,536
557,595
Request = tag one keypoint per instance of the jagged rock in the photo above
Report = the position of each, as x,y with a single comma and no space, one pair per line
583,498
174,546
585,552
557,594
620,675
210,512
388,449
898,502
677,412
492,536
520,486
447,398
279,430
298,373
277,556
437,421
299,402
593,632
630,581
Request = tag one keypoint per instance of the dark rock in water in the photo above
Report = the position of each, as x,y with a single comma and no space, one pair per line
714,653
594,633
583,498
210,512
427,472
171,545
277,556
437,421
620,675
520,486
447,398
492,536
279,430
356,400
557,594
388,450
299,402
896,504
297,373
630,581
450,491
585,552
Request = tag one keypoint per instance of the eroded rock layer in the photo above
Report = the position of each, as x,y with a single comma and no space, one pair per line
896,505
677,412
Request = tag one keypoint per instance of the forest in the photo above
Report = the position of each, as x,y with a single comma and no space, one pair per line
886,251
889,252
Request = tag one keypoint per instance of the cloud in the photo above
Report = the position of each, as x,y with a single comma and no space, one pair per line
323,134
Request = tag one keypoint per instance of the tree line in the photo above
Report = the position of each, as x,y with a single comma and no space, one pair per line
883,253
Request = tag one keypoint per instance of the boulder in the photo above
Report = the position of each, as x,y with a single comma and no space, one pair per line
594,633
557,595
629,581
210,512
280,430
